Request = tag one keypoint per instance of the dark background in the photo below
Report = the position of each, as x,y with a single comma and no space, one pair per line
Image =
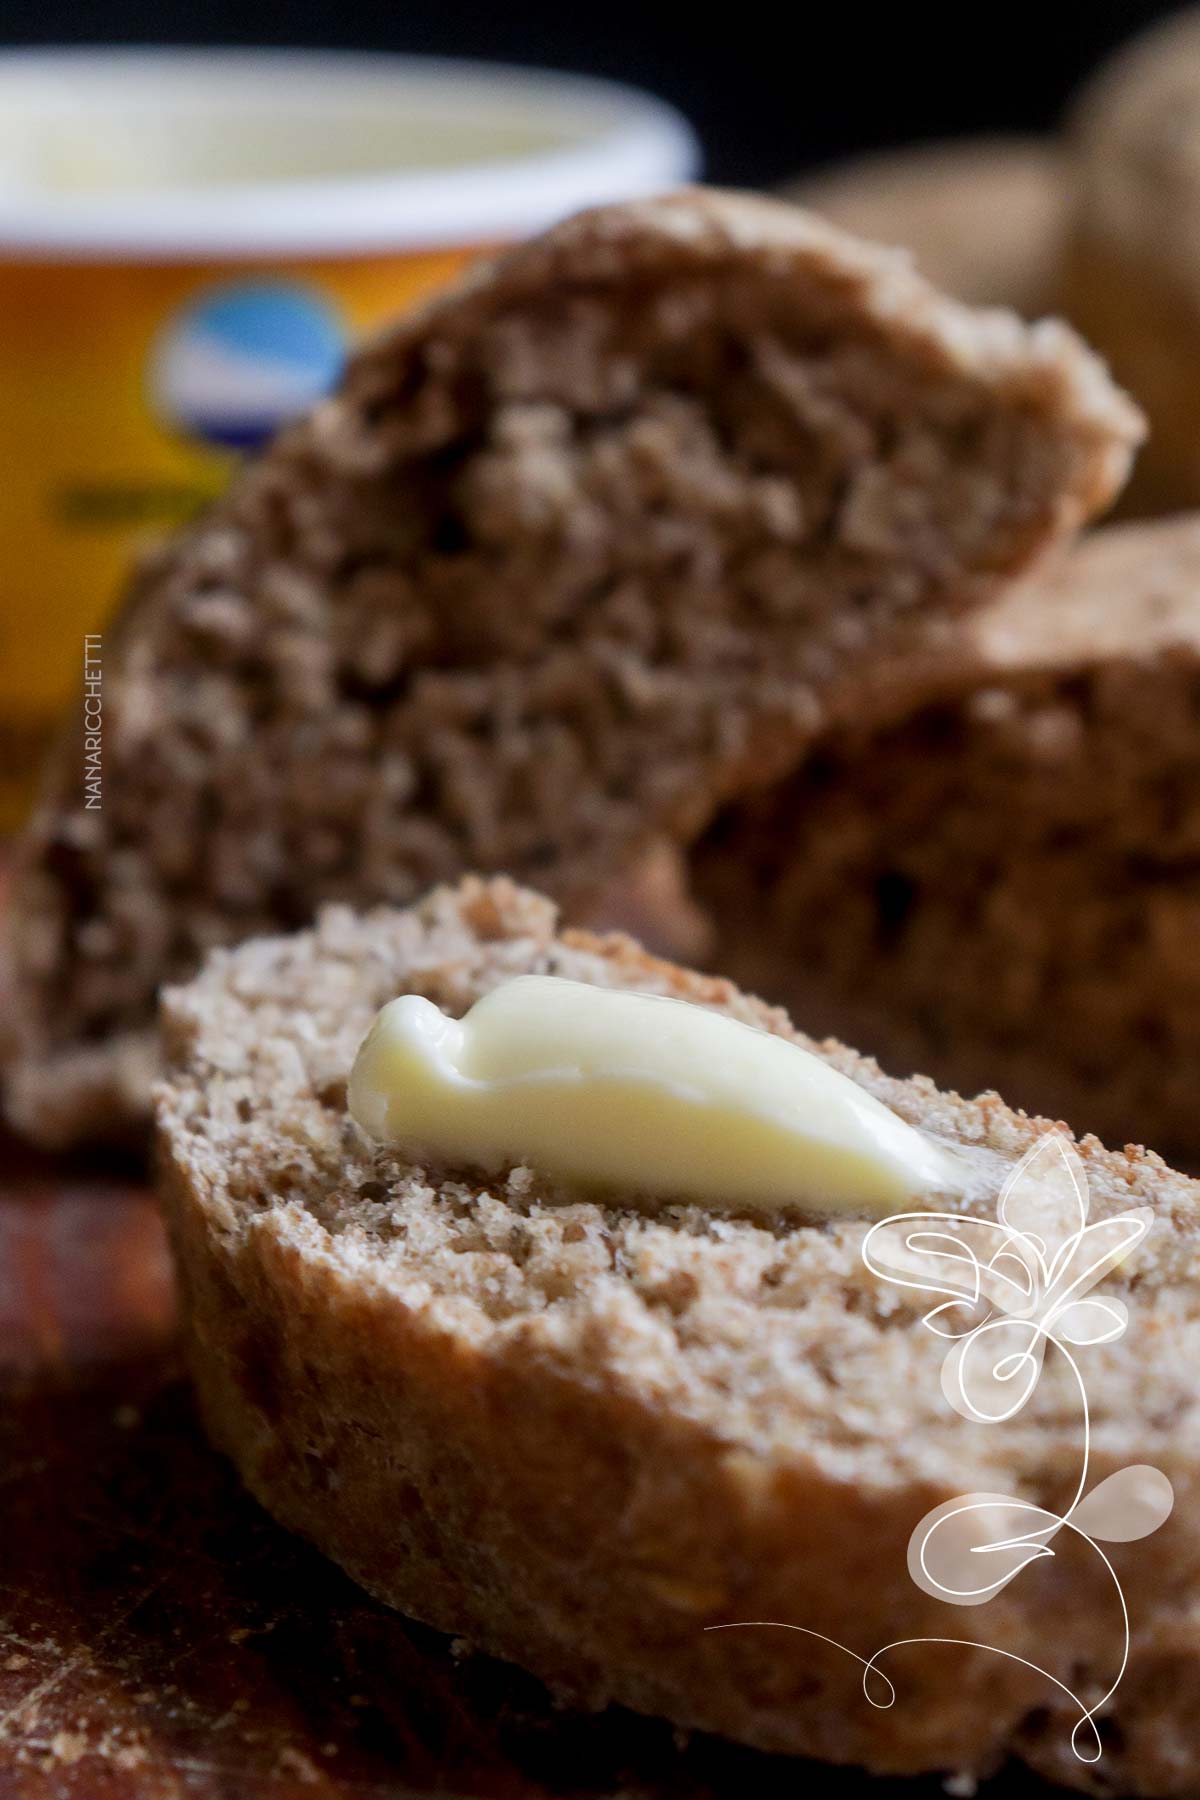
770,88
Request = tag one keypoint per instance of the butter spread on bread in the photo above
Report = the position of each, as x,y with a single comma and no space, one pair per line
637,1091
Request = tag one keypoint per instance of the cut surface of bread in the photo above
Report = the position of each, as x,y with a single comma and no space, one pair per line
575,553
580,1432
992,874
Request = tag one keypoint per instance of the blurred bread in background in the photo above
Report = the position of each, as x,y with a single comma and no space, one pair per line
983,217
1131,268
1101,226
991,873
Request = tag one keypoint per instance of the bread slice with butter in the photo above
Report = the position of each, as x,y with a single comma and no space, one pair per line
990,871
576,552
583,1431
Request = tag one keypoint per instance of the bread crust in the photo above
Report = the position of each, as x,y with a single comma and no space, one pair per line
579,549
579,1437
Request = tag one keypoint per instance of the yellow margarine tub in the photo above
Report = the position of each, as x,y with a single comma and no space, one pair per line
188,242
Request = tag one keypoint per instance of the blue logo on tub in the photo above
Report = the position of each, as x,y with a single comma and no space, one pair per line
243,359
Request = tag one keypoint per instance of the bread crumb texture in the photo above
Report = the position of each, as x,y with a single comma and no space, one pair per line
575,553
575,1431
990,872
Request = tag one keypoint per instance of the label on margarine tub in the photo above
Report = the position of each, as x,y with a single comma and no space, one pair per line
191,241
603,1087
129,391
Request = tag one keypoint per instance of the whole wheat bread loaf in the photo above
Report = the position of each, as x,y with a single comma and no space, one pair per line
1130,273
991,873
579,1432
575,553
983,218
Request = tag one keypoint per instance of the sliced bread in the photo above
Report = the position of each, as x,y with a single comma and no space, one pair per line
576,552
991,873
581,1433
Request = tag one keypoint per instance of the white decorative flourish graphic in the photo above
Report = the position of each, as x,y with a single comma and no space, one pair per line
1009,1288
1013,1284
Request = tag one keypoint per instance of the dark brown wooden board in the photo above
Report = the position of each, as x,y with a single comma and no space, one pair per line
160,1637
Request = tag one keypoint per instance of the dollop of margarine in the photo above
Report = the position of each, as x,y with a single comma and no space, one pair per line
603,1087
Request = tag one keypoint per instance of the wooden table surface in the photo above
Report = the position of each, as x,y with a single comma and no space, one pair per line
160,1636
